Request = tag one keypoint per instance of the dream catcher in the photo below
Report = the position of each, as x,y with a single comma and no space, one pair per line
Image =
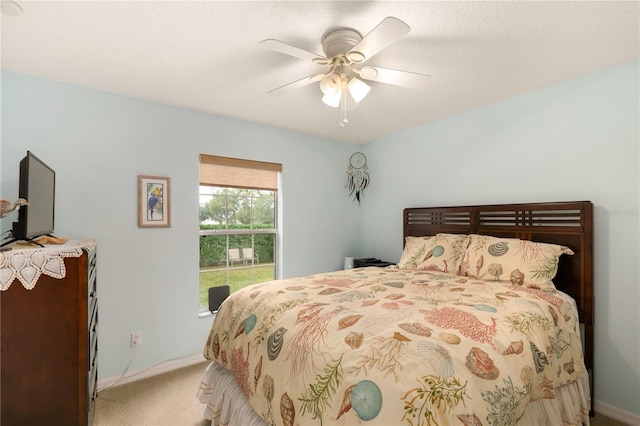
357,175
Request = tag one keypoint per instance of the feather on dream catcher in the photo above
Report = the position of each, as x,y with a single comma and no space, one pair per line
357,175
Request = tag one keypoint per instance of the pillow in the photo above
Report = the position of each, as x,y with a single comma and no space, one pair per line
413,253
512,261
443,253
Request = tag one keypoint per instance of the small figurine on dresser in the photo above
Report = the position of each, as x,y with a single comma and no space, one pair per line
6,207
49,239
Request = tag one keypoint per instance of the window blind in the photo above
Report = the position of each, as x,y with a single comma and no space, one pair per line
238,173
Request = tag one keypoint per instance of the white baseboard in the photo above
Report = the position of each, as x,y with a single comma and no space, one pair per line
616,413
154,370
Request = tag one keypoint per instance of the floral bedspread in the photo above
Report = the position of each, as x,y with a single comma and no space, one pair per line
388,347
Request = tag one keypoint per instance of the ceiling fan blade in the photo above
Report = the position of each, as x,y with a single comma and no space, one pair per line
296,84
385,33
287,49
398,78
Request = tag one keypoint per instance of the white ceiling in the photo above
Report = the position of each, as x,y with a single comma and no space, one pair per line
204,55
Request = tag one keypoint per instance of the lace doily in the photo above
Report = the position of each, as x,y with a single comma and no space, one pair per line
27,264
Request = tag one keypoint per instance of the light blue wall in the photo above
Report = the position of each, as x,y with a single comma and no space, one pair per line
569,142
573,141
98,143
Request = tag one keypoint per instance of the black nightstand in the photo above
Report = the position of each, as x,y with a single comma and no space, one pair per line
370,261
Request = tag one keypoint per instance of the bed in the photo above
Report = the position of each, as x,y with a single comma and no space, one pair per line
486,319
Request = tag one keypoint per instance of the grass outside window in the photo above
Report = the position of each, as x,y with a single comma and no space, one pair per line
238,277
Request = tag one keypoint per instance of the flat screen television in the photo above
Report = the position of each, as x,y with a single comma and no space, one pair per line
37,185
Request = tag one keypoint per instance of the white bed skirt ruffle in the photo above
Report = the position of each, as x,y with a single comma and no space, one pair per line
226,405
570,407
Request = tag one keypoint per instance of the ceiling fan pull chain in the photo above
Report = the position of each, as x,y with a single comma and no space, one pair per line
343,105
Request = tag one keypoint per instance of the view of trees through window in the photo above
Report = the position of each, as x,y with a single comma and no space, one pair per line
237,238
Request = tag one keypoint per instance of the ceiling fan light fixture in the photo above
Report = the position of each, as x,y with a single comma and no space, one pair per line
330,85
345,51
333,100
358,89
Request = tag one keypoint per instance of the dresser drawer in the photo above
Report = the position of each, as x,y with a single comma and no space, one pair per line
92,381
92,291
93,332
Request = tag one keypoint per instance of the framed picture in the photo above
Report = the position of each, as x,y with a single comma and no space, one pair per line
154,201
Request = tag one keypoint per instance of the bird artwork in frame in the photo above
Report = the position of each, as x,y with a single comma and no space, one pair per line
357,175
154,201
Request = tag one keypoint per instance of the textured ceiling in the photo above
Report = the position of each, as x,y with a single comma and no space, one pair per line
204,55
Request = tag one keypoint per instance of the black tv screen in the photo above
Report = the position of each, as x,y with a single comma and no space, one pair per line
37,185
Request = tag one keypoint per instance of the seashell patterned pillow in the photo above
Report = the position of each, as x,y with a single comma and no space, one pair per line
414,252
512,261
443,253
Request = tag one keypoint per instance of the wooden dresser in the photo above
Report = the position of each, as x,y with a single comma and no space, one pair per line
49,346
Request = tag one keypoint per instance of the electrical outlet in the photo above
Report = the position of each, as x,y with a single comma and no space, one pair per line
136,338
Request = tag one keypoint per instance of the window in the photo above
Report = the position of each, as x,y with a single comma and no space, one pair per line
238,233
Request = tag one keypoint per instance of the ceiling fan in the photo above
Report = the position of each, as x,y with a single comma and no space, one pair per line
345,52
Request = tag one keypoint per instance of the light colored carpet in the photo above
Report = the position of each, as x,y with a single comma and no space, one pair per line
169,399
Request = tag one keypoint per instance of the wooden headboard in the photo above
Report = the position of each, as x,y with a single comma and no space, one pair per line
565,223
